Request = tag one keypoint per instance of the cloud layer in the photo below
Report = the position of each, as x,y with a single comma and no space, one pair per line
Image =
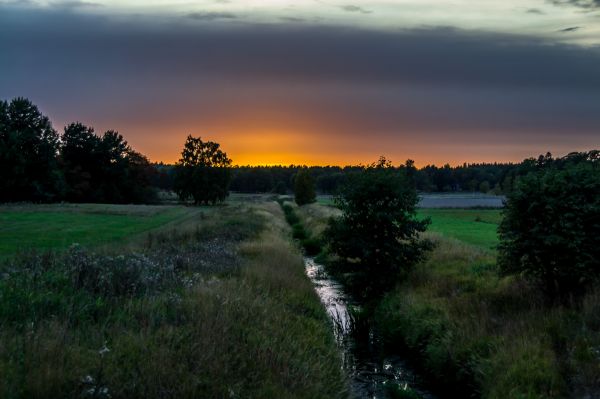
479,95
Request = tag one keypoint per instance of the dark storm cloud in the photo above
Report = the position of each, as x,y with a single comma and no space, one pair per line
66,43
536,11
74,4
342,79
585,4
211,16
570,29
292,19
353,8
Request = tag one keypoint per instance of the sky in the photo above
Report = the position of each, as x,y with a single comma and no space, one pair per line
315,82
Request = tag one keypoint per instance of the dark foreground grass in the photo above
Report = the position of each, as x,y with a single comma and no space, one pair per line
473,333
43,227
220,309
473,226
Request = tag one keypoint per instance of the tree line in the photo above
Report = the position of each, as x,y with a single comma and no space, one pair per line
493,178
38,164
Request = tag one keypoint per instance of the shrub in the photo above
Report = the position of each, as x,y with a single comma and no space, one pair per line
377,236
298,232
551,227
304,188
312,246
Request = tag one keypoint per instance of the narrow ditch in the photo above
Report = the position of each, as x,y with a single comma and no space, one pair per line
372,373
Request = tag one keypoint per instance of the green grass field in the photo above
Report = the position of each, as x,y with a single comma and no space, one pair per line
211,303
44,227
473,226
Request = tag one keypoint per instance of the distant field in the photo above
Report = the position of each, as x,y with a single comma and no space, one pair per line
473,226
461,200
58,226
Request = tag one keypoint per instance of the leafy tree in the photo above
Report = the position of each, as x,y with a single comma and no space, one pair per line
203,172
551,227
103,169
79,155
377,237
28,154
137,185
304,187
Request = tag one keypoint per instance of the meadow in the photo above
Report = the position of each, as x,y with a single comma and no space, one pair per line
53,227
211,303
472,226
175,301
473,332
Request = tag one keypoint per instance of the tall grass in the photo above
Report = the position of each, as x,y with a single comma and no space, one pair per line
311,242
471,330
474,333
217,308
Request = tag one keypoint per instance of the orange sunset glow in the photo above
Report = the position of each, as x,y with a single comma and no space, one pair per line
314,84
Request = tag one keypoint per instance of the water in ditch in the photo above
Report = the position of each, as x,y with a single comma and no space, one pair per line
370,371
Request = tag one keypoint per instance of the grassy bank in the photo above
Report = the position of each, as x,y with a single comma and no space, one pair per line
472,330
218,307
475,333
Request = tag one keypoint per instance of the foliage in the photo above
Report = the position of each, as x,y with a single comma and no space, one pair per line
497,177
103,169
304,188
311,244
203,172
80,167
476,333
28,154
377,236
551,227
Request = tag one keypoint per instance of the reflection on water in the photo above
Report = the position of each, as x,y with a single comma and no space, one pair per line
370,371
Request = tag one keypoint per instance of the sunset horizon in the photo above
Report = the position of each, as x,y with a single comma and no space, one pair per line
284,199
315,82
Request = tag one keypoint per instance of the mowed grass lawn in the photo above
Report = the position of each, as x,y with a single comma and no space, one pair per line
46,227
473,226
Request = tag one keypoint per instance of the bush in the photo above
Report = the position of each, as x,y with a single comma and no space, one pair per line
298,232
304,188
290,215
551,227
377,236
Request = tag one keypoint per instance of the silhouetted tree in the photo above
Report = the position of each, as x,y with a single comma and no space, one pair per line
551,227
377,236
203,172
28,154
80,158
104,169
304,187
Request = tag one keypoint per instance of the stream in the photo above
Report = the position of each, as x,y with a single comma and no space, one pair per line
371,373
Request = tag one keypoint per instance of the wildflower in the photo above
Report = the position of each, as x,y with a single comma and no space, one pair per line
104,350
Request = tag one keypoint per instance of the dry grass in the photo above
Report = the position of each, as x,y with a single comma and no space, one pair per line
255,331
495,336
471,330
314,217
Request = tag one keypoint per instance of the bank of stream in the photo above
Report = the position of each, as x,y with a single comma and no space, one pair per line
372,373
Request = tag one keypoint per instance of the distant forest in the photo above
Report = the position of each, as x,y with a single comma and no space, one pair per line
37,164
493,178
